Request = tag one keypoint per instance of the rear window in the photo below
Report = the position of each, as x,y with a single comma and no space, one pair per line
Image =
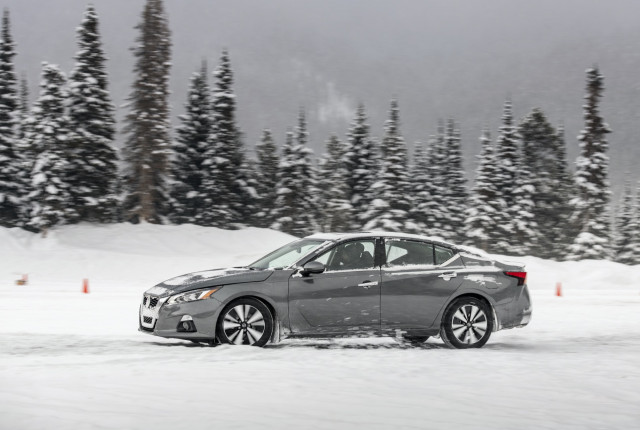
442,254
408,253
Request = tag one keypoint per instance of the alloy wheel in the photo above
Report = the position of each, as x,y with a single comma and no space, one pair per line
469,324
243,324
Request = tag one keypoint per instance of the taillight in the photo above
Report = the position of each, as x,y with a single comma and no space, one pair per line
521,276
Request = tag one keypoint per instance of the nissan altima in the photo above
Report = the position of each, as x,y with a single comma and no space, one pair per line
328,285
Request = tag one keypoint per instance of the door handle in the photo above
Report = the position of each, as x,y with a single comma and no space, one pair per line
447,276
367,284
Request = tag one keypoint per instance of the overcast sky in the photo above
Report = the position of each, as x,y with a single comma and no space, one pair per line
442,59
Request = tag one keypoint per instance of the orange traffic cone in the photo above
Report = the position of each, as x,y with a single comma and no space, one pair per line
559,289
85,286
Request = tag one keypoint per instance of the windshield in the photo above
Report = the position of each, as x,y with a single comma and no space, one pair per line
288,254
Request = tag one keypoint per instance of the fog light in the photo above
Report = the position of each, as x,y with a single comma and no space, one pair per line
186,325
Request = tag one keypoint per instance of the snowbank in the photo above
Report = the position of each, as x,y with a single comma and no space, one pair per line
579,275
127,255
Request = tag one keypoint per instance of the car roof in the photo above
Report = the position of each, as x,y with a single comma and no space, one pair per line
366,234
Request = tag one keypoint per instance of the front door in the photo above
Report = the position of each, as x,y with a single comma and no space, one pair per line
345,298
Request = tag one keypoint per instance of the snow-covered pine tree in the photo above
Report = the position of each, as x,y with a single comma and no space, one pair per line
247,186
566,190
434,209
481,220
335,207
523,225
544,153
23,149
308,204
627,245
591,214
296,204
267,173
390,210
23,108
361,166
505,180
223,184
92,117
50,198
196,125
147,147
287,188
421,195
453,185
10,158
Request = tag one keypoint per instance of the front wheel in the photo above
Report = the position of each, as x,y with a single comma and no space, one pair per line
467,323
245,322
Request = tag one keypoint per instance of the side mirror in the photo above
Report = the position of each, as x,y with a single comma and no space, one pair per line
312,267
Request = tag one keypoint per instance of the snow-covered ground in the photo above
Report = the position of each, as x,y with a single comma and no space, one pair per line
73,361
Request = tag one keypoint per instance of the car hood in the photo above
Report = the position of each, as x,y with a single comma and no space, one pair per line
208,278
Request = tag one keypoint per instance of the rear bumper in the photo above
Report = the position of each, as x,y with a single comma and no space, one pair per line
526,317
516,313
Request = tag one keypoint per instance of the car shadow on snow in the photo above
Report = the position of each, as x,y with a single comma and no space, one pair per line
511,346
343,344
180,343
339,346
312,344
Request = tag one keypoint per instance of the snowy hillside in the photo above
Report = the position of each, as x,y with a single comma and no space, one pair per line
72,360
126,255
138,256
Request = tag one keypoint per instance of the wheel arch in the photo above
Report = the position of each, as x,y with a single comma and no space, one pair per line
271,306
476,295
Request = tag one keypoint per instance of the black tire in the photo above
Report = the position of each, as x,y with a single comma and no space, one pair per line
414,340
467,323
245,321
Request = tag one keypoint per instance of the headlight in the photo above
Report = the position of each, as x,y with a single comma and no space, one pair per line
191,296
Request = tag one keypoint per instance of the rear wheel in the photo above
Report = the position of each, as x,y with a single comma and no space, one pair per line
467,323
245,322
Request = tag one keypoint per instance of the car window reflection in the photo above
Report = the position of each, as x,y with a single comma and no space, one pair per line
352,255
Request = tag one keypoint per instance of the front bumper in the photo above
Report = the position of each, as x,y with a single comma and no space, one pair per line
158,318
150,311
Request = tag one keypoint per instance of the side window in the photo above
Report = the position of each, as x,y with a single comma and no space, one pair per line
292,255
442,254
324,258
408,253
352,255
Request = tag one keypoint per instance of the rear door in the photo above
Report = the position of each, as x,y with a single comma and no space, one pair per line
417,279
343,299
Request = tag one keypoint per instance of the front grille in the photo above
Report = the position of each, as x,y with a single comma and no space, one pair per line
149,310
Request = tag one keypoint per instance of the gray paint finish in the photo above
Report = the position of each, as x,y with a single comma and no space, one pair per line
335,302
341,302
413,297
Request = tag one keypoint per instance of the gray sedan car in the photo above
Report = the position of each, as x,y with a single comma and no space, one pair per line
328,285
